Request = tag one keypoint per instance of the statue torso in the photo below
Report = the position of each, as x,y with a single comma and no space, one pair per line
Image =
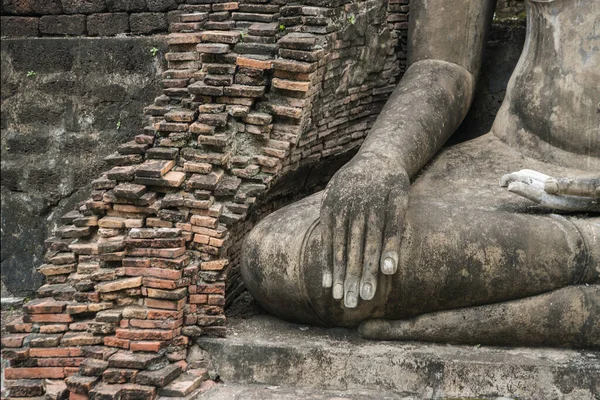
552,105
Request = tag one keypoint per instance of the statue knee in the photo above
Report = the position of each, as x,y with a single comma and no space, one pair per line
272,262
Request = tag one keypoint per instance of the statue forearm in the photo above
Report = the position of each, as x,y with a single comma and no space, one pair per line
446,42
424,110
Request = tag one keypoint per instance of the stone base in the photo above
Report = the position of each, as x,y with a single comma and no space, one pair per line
268,351
264,392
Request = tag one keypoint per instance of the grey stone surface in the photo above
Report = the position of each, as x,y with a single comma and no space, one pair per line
57,125
263,392
430,240
11,303
267,351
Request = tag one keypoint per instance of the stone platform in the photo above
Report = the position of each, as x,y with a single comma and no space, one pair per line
263,392
264,350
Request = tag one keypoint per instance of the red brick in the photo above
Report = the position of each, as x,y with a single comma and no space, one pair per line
164,314
212,288
174,263
155,324
156,283
59,362
215,265
24,388
34,373
133,391
56,352
18,326
113,341
136,262
253,63
45,306
15,354
13,340
121,284
216,300
79,326
165,304
144,334
80,339
70,371
48,318
146,346
81,384
153,272
77,396
54,328
156,252
198,299
119,375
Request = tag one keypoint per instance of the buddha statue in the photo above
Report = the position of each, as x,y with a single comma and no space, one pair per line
410,242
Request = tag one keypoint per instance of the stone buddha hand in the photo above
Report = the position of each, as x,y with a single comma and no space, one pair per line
362,218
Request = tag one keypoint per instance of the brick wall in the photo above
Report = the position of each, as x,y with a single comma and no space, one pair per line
87,17
256,93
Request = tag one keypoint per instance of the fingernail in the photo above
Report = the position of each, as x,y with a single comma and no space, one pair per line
389,266
338,291
351,300
551,187
366,291
327,280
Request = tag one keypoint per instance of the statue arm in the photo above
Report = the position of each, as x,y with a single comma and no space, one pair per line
362,213
445,46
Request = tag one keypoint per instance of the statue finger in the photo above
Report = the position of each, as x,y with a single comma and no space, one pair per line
586,187
561,203
392,233
373,239
326,223
356,242
527,191
340,235
571,203
528,176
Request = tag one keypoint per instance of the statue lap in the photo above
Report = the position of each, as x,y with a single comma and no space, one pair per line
477,264
467,242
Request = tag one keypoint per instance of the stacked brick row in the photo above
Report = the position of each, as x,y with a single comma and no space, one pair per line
253,90
91,18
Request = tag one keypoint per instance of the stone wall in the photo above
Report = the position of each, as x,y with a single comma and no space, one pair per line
66,104
32,18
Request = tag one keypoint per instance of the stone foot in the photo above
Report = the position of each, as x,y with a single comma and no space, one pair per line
568,317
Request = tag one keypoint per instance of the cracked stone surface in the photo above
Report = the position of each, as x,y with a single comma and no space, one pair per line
56,128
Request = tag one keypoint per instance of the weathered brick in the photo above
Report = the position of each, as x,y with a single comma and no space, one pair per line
25,388
182,386
34,373
108,24
147,23
124,359
18,26
45,306
159,378
62,25
119,375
